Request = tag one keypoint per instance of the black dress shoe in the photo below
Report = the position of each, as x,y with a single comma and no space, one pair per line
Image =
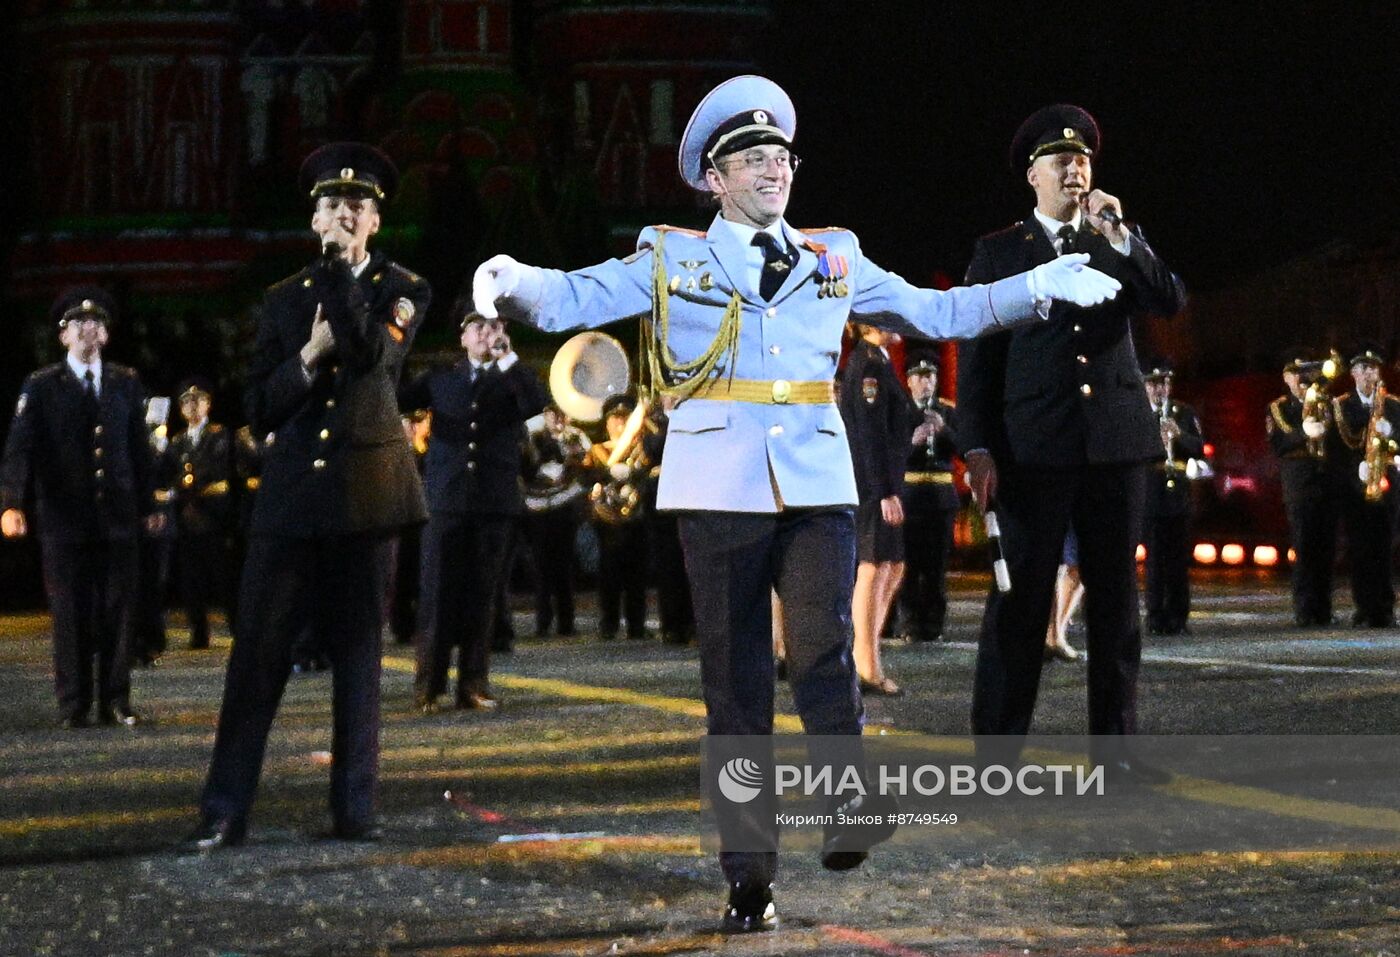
750,909
367,832
871,821
212,835
478,701
1133,772
120,714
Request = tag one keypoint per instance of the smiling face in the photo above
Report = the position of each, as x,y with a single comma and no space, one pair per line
753,185
84,338
1059,179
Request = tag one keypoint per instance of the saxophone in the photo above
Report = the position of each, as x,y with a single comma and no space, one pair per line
1377,450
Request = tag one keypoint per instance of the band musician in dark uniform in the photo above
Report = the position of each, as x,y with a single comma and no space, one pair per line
79,441
201,461
1364,480
619,511
1167,512
337,483
1297,426
930,504
1054,424
554,501
475,496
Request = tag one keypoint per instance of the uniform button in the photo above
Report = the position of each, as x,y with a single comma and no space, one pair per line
318,464
474,405
1087,389
472,426
471,466
189,466
776,430
782,391
1083,360
1078,327
330,403
99,473
775,350
97,453
772,311
471,446
97,430
325,434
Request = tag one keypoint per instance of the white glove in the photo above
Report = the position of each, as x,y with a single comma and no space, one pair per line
552,470
1070,279
1314,428
499,277
1383,428
620,472
1363,472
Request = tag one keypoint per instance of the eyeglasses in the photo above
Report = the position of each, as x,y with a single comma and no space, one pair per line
758,162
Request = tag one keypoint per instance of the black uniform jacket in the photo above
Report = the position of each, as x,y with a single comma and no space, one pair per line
1170,493
920,494
1066,391
875,408
337,461
1304,474
88,480
1351,418
476,452
202,477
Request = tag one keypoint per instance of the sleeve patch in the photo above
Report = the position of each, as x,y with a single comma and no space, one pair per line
404,311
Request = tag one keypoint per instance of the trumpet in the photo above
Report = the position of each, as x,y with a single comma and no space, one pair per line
1164,417
1316,400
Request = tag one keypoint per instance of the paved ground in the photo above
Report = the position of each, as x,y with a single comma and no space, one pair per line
592,762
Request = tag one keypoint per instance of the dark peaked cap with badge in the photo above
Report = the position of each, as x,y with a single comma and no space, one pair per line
81,302
741,112
349,169
1367,353
1158,368
1060,128
195,385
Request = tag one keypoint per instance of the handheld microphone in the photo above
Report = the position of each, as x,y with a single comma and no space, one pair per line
1108,214
999,567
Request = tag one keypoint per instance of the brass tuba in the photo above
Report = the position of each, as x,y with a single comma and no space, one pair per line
586,370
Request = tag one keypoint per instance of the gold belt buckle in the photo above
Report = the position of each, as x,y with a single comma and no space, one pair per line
782,391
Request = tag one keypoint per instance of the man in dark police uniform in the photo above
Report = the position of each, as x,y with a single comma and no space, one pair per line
337,482
1054,424
79,438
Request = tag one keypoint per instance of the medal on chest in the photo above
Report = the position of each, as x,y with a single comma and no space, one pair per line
833,269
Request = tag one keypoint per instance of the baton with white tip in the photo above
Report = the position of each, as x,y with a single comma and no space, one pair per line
999,568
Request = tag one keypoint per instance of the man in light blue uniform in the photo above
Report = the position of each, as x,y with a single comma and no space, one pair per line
744,323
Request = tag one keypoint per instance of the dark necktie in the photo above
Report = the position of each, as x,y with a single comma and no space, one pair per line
776,264
90,395
1066,235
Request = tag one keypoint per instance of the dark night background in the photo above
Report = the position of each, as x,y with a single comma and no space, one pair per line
1255,143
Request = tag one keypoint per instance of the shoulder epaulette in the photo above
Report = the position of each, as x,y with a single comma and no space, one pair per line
295,277
1276,408
697,233
408,274
215,428
815,230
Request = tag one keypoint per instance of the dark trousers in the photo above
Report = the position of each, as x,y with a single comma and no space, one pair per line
622,576
1368,526
463,559
91,587
734,561
673,603
1167,538
928,541
148,624
333,586
1034,507
405,583
552,536
1312,526
203,565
